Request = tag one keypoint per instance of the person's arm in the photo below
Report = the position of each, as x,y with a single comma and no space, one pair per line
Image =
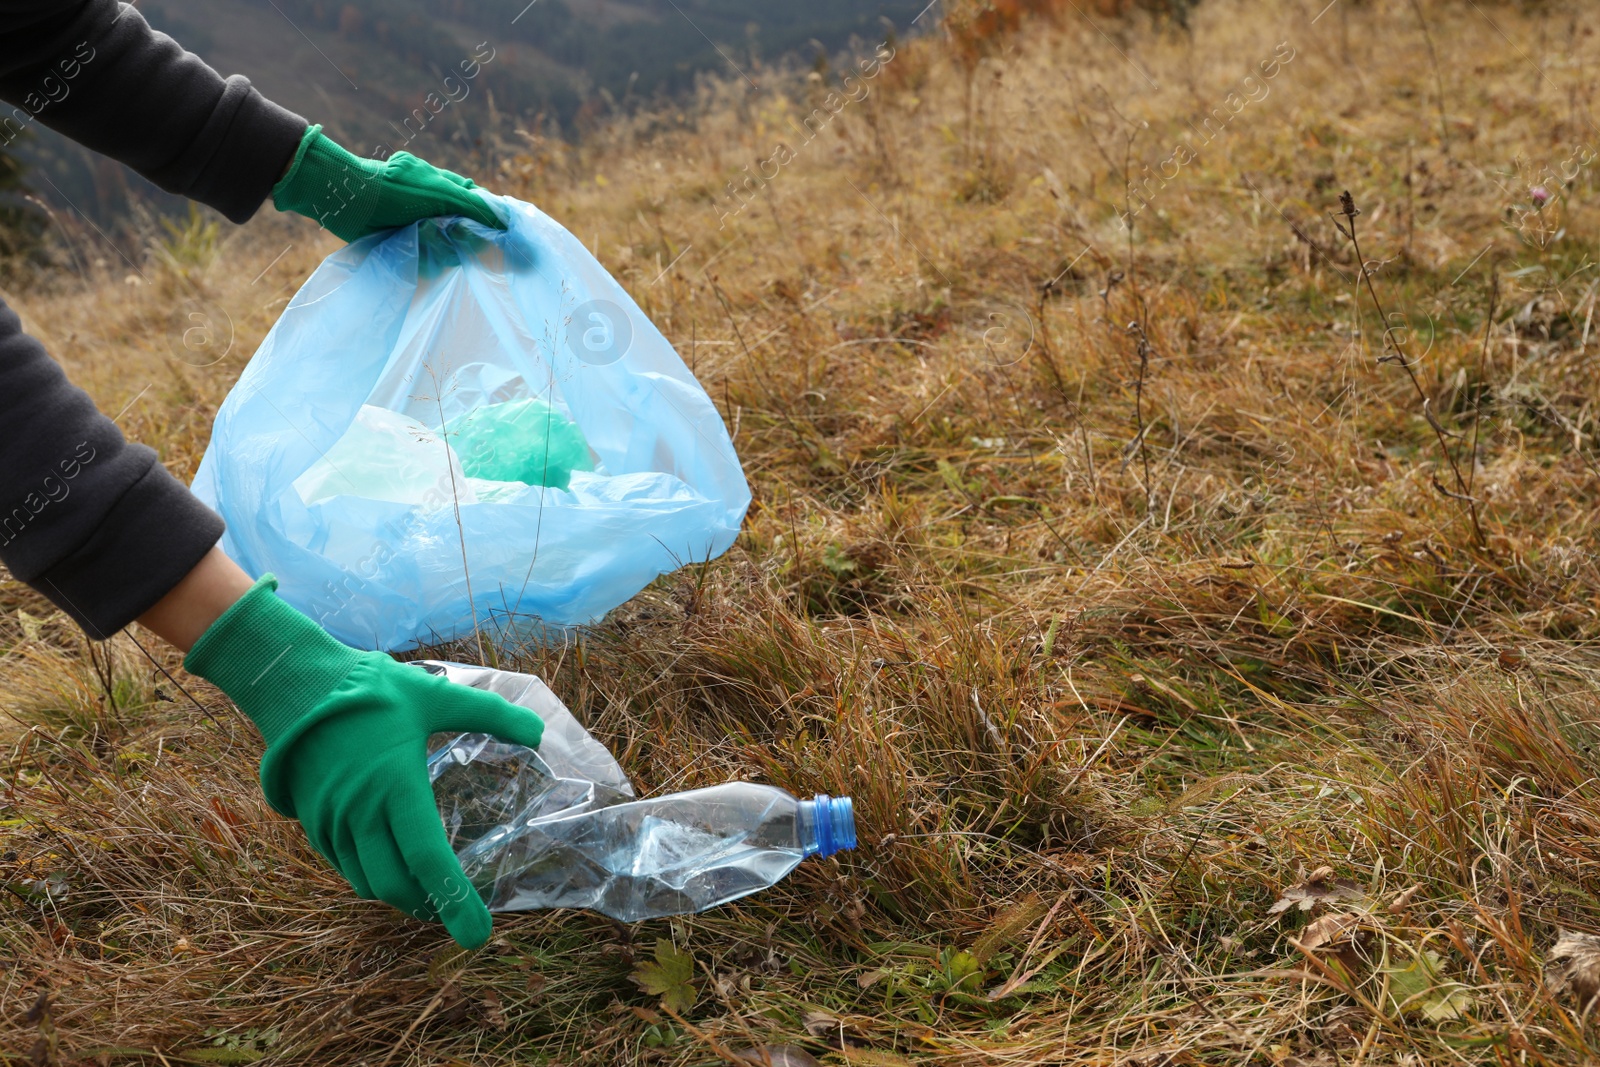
184,614
95,71
93,522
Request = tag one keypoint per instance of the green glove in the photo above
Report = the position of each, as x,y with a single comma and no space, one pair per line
347,736
352,197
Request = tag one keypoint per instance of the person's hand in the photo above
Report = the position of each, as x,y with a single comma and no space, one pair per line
353,197
347,735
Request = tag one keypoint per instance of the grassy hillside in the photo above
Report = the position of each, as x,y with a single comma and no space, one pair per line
1134,580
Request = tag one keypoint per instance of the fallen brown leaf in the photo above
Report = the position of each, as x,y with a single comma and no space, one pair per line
1403,900
1332,929
1572,967
871,978
1321,888
493,1012
837,1030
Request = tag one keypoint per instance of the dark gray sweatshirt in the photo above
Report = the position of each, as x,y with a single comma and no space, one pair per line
96,524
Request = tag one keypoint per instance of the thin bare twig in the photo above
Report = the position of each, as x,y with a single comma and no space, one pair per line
1483,358
1463,493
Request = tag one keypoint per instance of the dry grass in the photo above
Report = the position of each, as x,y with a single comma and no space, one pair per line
1100,699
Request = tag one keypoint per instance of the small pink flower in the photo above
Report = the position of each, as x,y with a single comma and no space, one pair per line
1541,196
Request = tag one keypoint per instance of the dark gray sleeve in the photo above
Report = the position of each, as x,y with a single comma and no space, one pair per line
95,71
94,523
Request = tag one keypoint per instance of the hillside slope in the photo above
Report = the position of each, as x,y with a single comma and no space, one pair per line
1204,616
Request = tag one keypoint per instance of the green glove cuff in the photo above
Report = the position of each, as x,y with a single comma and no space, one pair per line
285,183
332,185
274,662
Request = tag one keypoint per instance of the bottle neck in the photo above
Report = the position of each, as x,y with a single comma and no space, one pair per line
827,825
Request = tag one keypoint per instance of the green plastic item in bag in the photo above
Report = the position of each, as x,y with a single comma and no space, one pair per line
520,441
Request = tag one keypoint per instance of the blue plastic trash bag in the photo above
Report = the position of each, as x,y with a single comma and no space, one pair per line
448,407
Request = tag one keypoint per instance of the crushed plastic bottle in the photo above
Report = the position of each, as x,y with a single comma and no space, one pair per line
561,828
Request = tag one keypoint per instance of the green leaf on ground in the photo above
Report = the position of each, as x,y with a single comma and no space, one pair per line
1420,988
669,976
962,970
32,627
837,560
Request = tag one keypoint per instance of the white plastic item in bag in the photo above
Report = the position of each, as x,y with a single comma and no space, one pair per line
430,323
387,456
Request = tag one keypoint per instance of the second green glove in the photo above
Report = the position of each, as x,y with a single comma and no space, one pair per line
353,197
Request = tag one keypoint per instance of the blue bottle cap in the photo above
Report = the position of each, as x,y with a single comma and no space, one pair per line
836,824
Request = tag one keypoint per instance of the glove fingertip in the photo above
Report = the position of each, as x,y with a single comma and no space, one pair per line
516,724
470,710
468,921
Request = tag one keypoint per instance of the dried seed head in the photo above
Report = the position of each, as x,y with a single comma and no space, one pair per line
1347,204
